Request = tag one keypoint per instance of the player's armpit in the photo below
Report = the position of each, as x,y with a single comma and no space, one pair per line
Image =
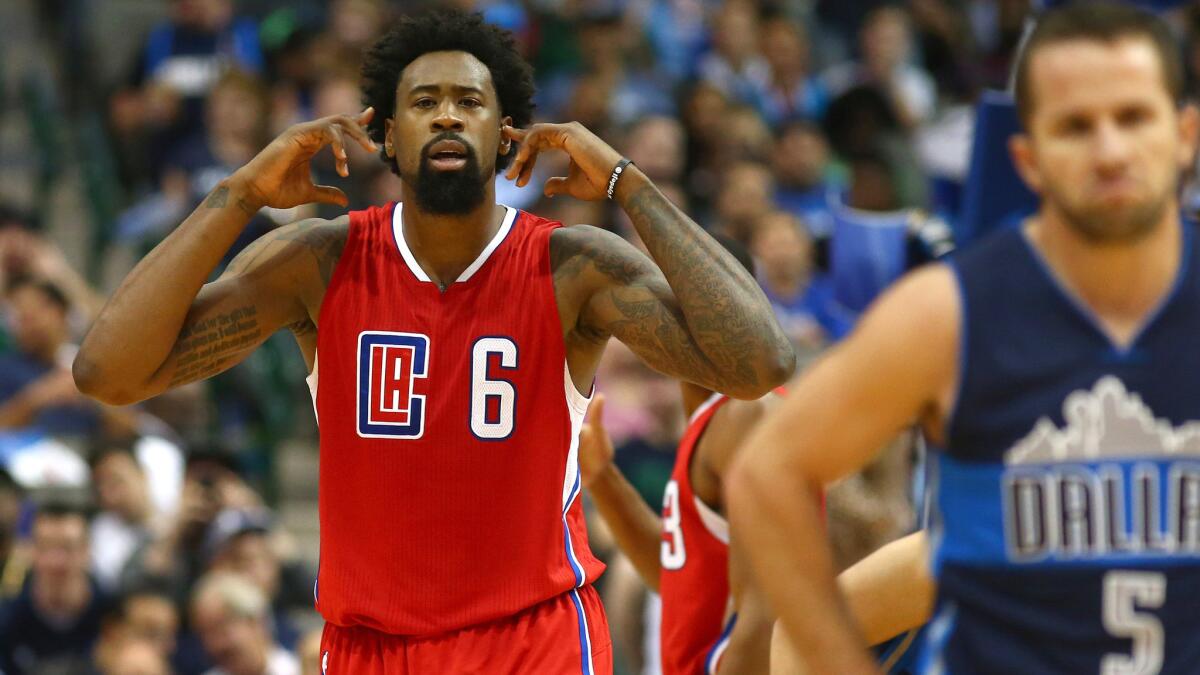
620,292
891,590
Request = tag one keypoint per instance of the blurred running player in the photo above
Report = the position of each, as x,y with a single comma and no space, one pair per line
1054,365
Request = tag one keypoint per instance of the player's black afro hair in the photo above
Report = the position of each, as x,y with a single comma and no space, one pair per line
445,30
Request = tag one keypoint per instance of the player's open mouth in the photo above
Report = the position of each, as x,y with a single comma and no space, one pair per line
448,155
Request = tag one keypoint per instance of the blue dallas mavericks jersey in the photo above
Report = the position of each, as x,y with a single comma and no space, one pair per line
1067,532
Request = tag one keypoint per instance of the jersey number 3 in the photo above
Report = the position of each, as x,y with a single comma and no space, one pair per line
390,363
672,553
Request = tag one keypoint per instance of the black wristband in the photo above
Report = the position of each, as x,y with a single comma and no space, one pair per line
616,174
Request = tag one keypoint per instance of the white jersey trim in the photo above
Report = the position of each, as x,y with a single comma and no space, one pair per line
312,384
703,407
716,524
577,406
506,225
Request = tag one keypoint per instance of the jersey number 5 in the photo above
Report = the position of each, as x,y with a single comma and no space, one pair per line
1124,593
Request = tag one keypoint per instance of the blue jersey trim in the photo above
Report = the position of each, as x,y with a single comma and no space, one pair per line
714,653
573,561
585,639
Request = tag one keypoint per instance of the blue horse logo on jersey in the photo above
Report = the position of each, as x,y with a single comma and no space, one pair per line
1114,483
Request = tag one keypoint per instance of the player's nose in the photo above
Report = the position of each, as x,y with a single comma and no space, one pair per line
447,119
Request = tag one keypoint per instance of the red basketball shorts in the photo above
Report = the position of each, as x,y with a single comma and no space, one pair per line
565,635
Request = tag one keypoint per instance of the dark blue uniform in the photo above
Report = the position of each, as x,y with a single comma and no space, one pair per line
1067,525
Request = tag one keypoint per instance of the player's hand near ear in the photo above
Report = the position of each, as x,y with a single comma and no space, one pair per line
592,160
280,176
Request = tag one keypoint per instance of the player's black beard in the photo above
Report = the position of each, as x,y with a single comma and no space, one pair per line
449,192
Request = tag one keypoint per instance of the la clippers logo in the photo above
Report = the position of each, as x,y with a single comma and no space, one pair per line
389,364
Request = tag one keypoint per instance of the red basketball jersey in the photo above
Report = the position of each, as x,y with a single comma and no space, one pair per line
449,456
694,584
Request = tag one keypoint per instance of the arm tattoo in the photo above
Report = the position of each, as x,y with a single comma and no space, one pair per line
321,240
219,199
697,314
647,318
208,343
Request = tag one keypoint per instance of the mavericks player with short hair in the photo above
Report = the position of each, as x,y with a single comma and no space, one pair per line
452,343
1054,366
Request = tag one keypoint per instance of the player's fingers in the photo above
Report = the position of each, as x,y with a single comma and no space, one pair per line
524,151
366,115
527,170
596,410
337,144
513,133
351,127
555,186
326,194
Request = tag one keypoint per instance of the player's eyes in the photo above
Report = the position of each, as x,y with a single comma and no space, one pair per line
470,103
424,103
1132,116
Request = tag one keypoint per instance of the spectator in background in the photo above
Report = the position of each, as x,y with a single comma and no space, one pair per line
615,90
746,193
793,90
240,542
237,123
137,658
784,252
25,252
230,614
14,557
143,617
125,519
885,42
309,653
55,621
803,174
36,389
182,60
736,66
178,558
703,116
656,144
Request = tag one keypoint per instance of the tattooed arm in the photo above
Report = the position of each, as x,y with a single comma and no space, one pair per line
165,327
694,312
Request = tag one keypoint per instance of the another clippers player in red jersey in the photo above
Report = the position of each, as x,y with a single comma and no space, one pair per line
452,343
712,621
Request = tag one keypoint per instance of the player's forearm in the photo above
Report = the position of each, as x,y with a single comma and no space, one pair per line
797,578
18,411
136,330
726,312
637,528
749,650
891,590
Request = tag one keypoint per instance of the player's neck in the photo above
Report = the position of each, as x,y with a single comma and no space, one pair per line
445,245
693,397
1120,283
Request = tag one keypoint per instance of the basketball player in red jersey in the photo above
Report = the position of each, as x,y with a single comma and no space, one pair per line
452,343
712,621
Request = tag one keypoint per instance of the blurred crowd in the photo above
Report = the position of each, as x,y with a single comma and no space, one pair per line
830,138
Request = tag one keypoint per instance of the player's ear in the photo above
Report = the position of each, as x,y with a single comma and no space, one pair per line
1020,149
387,138
1189,130
505,141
